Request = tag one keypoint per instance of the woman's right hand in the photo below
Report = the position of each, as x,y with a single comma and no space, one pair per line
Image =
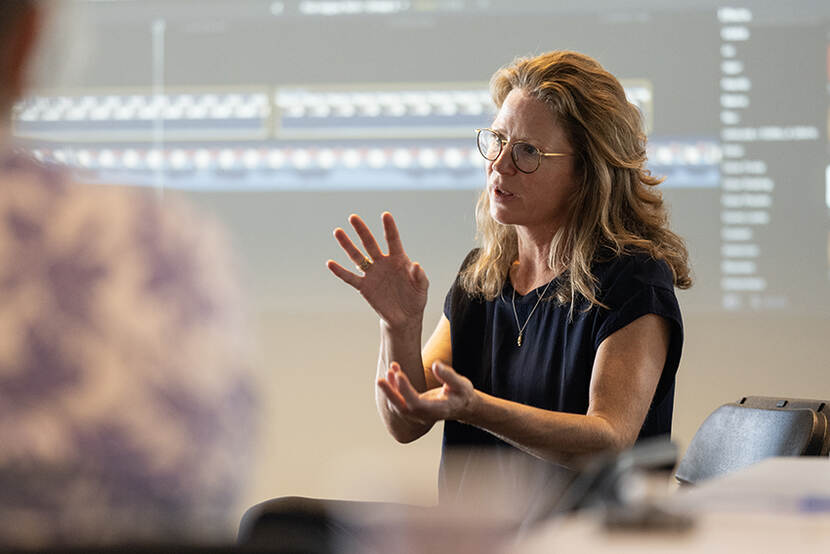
393,285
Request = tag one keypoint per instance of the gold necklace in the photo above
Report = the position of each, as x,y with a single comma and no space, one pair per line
516,315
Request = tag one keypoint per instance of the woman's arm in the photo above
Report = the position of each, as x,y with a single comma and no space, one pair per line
626,371
437,349
396,288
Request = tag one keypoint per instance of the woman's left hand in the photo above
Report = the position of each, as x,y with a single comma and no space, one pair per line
454,400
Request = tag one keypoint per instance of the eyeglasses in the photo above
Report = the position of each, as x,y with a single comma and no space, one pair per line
526,157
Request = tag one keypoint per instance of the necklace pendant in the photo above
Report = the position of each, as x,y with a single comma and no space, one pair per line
519,340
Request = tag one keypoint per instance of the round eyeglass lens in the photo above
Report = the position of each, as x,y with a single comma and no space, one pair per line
489,144
525,156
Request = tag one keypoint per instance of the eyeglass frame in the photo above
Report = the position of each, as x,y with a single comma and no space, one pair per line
503,141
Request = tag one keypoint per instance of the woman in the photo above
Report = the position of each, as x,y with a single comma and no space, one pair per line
561,335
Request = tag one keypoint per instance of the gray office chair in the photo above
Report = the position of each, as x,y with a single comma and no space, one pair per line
739,434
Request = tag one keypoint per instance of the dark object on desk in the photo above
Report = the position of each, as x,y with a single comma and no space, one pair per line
739,434
646,517
603,481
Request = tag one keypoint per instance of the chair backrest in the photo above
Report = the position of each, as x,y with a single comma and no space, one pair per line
822,407
778,403
738,435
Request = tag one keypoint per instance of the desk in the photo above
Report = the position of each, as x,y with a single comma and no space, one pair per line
780,505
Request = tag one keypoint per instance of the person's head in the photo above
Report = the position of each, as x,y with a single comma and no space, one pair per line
611,200
530,177
19,25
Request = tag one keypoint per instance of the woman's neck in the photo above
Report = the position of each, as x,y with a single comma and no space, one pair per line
532,269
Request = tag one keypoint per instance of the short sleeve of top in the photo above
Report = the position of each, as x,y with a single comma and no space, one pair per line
552,368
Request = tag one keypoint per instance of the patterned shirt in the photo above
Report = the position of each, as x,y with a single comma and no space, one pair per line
126,399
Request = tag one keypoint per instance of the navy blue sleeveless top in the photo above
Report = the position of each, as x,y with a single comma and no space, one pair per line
552,368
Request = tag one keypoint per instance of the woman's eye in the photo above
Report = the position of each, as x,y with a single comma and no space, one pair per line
524,149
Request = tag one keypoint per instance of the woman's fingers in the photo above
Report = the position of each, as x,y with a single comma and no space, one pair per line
408,392
355,255
372,247
366,237
419,276
392,395
390,232
344,273
446,375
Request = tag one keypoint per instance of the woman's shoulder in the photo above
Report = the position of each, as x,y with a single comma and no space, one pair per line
459,299
469,259
633,267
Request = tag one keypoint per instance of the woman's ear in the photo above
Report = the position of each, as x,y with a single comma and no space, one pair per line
18,47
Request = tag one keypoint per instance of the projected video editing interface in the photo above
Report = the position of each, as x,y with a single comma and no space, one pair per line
301,138
736,111
771,154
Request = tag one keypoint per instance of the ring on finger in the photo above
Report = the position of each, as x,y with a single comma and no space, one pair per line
365,264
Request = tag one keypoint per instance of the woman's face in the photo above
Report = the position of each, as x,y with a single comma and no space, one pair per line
538,200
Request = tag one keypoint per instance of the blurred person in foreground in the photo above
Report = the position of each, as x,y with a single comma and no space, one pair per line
125,401
561,335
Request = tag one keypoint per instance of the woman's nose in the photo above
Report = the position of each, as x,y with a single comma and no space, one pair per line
504,163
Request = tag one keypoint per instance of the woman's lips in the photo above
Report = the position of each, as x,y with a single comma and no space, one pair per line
502,194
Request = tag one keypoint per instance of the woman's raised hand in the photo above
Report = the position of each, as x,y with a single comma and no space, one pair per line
393,285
